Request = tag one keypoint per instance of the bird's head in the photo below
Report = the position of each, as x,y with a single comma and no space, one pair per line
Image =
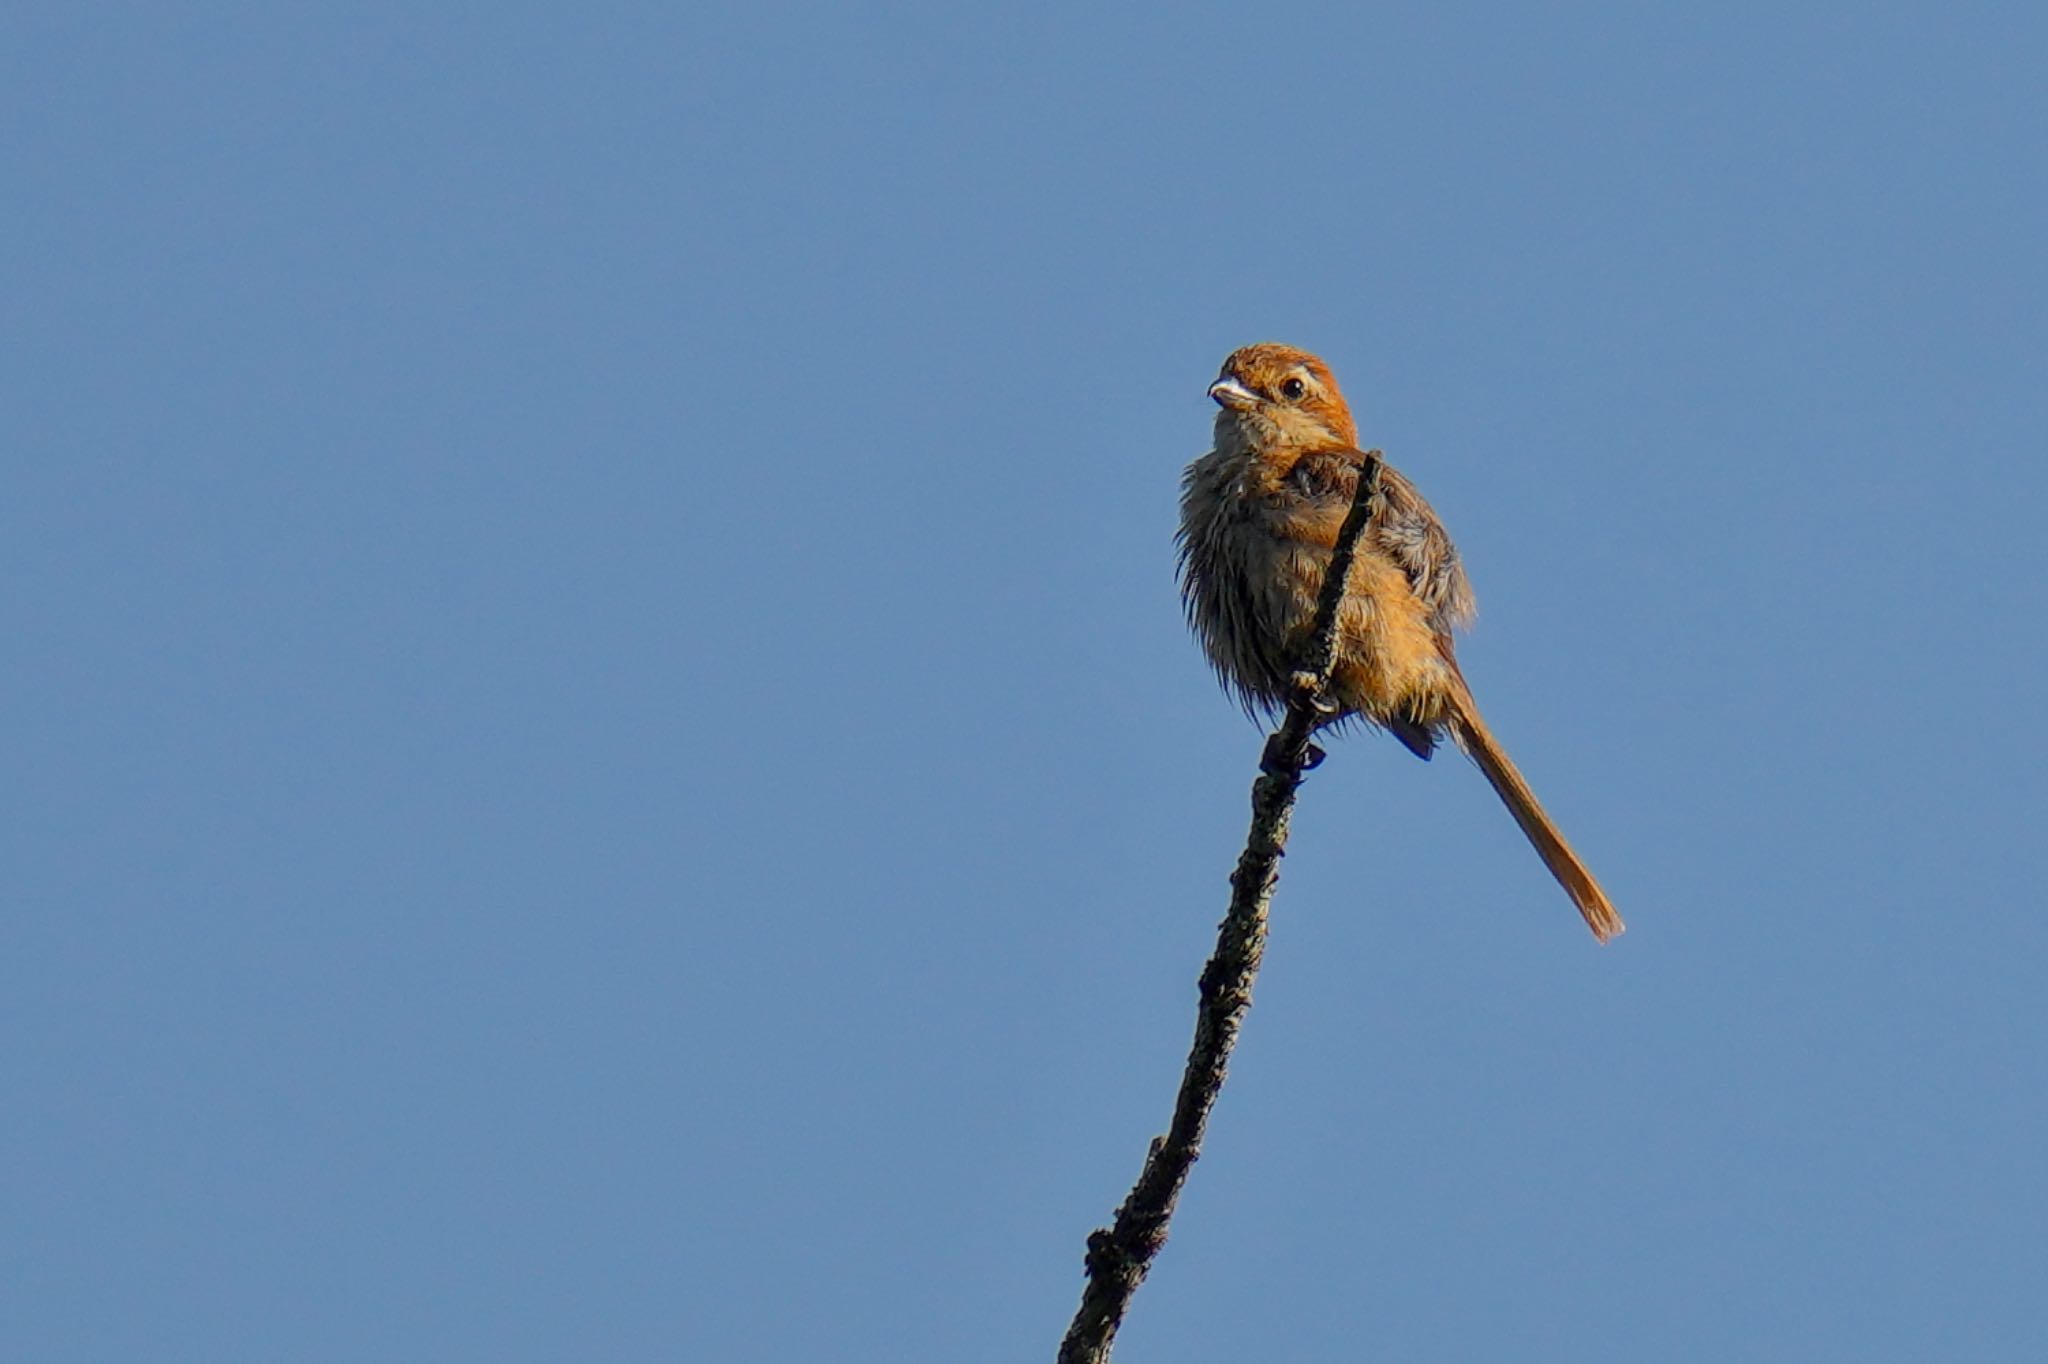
1277,396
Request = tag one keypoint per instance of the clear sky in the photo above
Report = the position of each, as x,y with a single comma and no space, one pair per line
601,761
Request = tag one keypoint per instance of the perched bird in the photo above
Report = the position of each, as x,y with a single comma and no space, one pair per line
1259,514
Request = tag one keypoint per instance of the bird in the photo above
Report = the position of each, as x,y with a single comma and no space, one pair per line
1259,515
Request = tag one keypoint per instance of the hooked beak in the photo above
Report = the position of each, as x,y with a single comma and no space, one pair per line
1233,395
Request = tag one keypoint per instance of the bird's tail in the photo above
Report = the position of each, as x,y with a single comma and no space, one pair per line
1476,739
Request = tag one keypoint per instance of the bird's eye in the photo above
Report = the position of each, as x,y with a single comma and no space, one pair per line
1292,390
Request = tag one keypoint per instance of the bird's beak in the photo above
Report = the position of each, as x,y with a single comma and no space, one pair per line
1233,395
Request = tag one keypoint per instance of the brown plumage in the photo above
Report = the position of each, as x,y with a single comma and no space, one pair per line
1258,516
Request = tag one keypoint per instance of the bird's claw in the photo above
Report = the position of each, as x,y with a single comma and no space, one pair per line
1311,688
1275,758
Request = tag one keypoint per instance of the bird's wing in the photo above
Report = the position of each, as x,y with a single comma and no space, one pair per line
1408,532
1405,529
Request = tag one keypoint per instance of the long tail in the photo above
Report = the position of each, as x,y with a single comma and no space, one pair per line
1476,739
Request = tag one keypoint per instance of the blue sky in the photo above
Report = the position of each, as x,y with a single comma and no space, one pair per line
602,762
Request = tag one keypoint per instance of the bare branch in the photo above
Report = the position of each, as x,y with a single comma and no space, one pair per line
1120,1255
